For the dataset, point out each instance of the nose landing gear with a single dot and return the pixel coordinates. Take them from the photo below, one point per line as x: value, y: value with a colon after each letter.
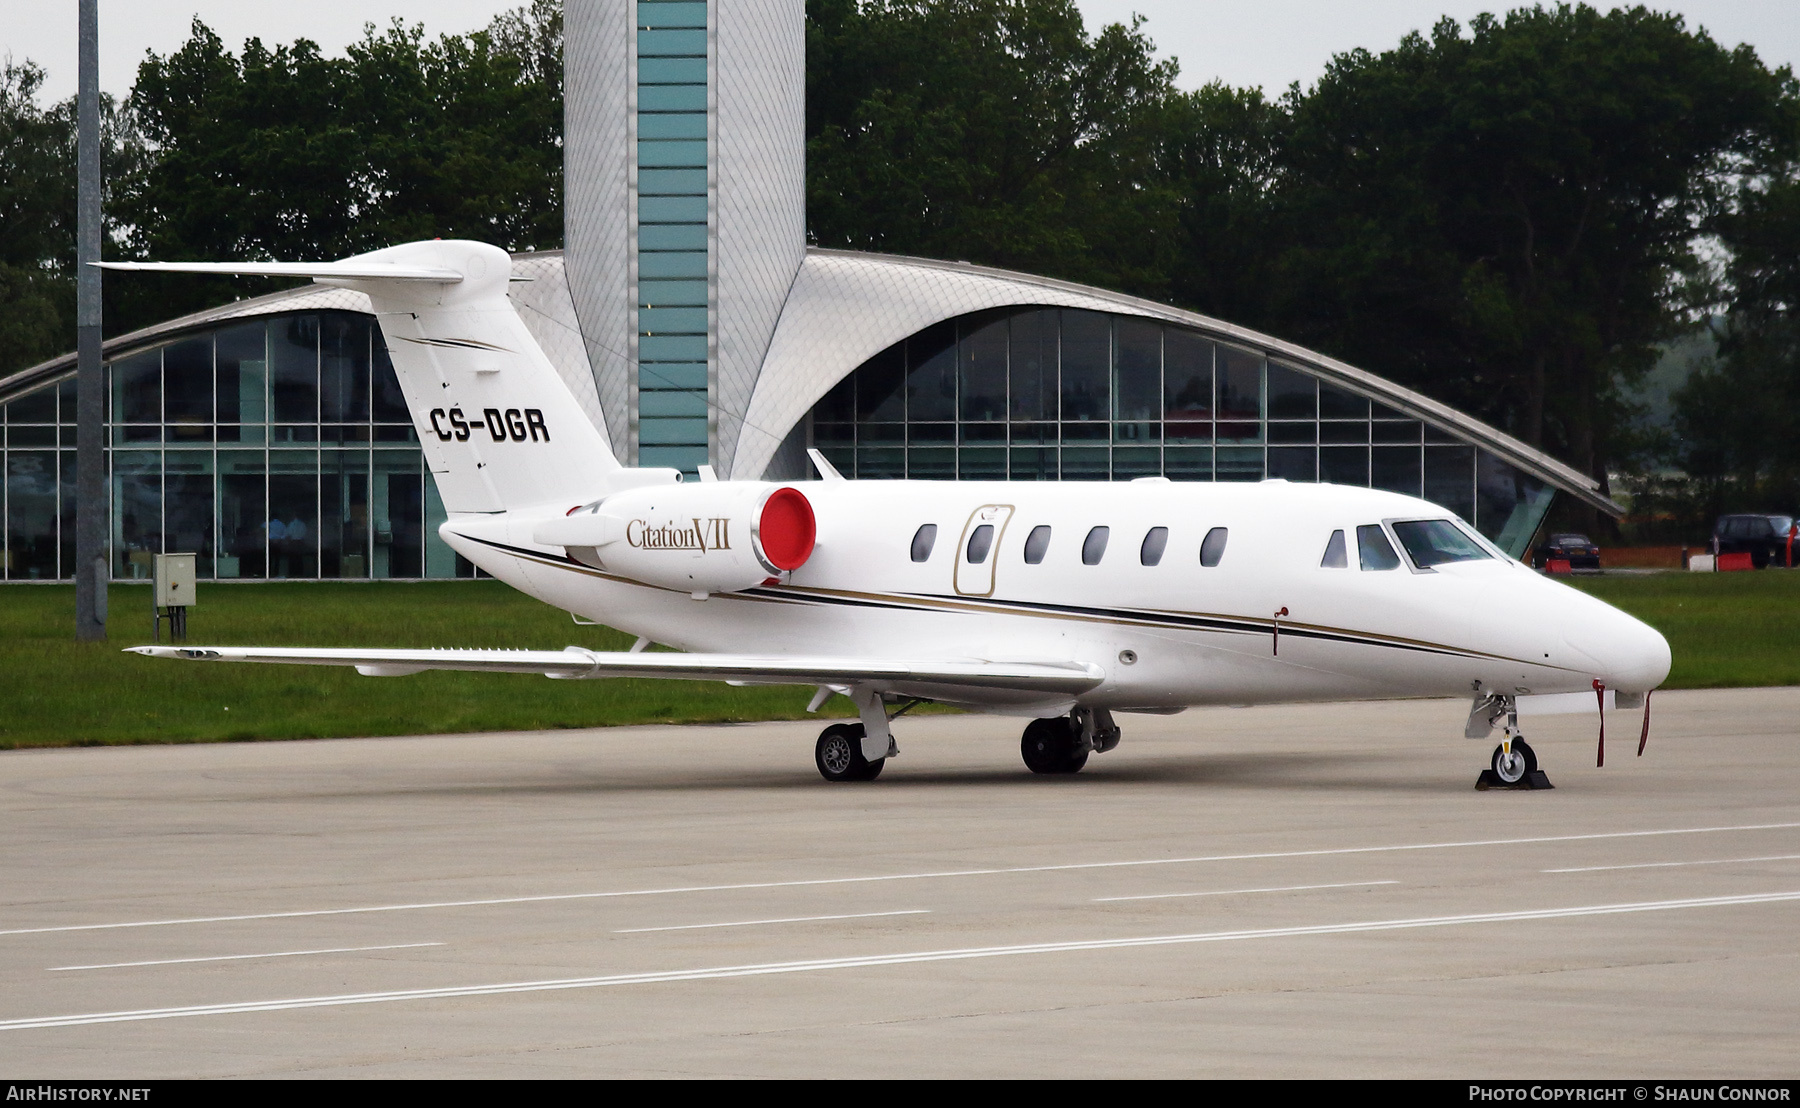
x: 1514, y: 764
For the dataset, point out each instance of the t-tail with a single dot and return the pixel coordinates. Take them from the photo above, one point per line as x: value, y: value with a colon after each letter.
x: 500, y: 429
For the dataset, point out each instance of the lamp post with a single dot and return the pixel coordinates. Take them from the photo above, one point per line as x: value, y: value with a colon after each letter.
x: 91, y: 569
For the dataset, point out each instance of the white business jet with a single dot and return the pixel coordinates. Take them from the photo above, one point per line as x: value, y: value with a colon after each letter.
x: 1061, y: 602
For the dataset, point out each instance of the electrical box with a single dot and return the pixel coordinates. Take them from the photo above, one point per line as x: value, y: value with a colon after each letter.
x: 174, y: 581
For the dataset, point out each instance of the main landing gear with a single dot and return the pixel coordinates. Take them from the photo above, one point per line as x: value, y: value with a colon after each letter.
x: 1514, y: 764
x: 839, y: 754
x: 857, y: 751
x: 1058, y: 745
x: 1062, y: 744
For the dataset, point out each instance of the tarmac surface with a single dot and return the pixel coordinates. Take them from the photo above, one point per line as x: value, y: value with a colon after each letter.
x: 1293, y: 892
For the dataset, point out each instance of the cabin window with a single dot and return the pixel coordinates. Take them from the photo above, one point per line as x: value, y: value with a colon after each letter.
x: 1154, y: 543
x: 1335, y: 558
x: 1373, y: 549
x: 1431, y: 542
x: 1037, y: 543
x: 923, y: 540
x: 1094, y: 547
x: 981, y: 540
x: 1212, y: 548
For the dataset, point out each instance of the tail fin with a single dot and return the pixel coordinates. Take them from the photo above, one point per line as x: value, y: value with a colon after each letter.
x: 500, y: 429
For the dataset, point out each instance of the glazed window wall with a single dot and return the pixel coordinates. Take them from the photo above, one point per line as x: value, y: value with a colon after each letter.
x: 276, y: 448
x: 673, y: 313
x: 1051, y: 393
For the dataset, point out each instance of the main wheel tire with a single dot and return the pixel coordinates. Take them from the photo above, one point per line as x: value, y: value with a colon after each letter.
x: 1050, y: 746
x: 1512, y: 770
x: 839, y: 756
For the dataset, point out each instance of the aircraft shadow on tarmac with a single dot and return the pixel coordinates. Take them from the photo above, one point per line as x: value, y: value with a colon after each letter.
x: 1285, y: 771
x: 1276, y: 770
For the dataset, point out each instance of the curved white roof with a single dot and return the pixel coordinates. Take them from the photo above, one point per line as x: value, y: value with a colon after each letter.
x: 843, y: 308
x: 847, y: 306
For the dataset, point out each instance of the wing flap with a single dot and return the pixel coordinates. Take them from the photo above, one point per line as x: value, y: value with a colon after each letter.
x: 578, y: 663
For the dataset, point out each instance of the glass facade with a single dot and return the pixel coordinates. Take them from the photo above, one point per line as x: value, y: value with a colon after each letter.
x: 279, y: 447
x: 673, y: 311
x: 1054, y: 393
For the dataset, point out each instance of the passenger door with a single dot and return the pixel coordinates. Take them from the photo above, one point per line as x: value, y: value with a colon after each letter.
x: 978, y: 548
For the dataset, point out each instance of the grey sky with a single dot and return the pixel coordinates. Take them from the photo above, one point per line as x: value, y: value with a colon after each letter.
x: 1269, y: 43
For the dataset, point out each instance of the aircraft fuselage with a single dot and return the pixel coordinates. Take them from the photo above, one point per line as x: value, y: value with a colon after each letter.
x: 1267, y: 622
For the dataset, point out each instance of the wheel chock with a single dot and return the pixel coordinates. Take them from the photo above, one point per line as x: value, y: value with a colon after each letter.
x: 1534, y: 779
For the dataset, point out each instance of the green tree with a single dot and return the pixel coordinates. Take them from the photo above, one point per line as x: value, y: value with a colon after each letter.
x: 37, y: 242
x: 1503, y: 218
x: 1739, y: 421
x: 463, y: 136
x: 996, y: 131
x: 37, y: 212
x: 1221, y: 154
x: 285, y: 153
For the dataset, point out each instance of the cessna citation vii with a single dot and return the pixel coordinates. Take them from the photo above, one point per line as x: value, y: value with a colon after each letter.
x: 1064, y: 603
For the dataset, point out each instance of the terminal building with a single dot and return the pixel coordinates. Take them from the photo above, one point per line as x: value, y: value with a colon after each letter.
x: 696, y: 326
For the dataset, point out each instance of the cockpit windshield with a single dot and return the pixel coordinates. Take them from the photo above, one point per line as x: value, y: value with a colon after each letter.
x: 1432, y: 542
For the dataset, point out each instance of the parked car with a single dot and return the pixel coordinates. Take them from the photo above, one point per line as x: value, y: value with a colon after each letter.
x: 1571, y: 548
x: 1763, y: 537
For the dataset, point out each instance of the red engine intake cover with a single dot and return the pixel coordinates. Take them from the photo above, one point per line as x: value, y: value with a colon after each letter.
x: 787, y: 529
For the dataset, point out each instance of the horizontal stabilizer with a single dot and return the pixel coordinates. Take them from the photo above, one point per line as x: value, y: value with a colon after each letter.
x: 576, y: 663
x: 348, y: 270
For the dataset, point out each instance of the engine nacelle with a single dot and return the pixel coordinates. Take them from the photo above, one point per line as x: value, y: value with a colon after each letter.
x: 699, y: 538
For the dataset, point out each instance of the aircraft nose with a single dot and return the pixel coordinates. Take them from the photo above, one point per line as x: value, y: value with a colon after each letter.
x: 1627, y: 653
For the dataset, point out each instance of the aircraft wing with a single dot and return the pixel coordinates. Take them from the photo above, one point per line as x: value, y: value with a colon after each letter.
x: 574, y: 663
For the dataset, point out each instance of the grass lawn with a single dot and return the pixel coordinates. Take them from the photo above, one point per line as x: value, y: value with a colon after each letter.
x: 1728, y: 629
x: 57, y: 692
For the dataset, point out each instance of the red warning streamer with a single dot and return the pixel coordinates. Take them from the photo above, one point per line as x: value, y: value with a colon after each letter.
x: 1600, y: 698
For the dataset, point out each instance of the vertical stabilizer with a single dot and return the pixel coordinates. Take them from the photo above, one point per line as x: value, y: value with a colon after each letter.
x: 500, y: 429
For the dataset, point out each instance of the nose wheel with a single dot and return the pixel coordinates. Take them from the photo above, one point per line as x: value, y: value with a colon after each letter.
x: 1514, y: 764
x: 1511, y: 767
x: 839, y: 755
